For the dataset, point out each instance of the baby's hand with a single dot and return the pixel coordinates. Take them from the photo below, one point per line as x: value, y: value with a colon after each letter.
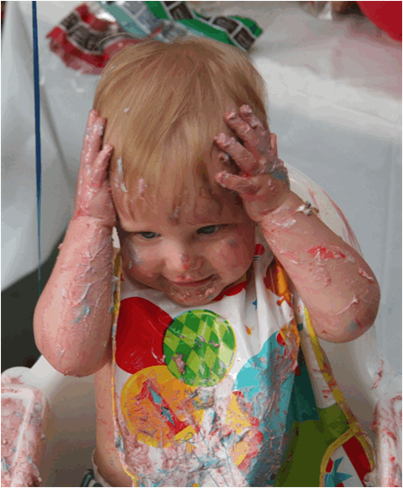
x: 93, y: 193
x: 262, y: 181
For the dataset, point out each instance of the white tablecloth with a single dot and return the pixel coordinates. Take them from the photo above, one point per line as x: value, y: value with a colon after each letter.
x: 335, y: 104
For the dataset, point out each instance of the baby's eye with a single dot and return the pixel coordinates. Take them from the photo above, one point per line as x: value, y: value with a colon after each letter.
x: 148, y: 235
x: 209, y: 229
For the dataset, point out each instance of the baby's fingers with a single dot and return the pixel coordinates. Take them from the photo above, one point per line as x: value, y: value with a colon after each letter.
x: 91, y: 186
x: 90, y: 122
x: 245, y: 161
x: 95, y: 175
x: 92, y: 141
x: 100, y: 167
x: 241, y: 184
x: 250, y: 118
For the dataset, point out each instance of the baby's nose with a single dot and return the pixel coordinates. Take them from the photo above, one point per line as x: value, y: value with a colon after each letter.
x: 180, y: 260
x: 185, y: 260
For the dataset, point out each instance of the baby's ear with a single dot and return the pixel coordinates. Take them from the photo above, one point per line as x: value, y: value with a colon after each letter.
x: 273, y: 144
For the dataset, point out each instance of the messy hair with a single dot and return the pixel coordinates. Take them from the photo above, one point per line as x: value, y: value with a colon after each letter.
x: 165, y: 103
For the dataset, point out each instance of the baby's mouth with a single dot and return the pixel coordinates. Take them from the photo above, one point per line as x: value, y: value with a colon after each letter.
x: 193, y: 284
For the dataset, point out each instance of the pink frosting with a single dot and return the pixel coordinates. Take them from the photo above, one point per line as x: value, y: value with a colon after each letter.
x: 23, y: 410
x: 387, y: 426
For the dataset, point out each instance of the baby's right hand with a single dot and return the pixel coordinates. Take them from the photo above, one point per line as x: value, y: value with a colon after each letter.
x: 93, y: 194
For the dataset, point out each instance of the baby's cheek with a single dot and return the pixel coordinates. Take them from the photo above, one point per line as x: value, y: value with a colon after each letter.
x: 133, y: 256
x: 138, y: 260
x: 234, y: 256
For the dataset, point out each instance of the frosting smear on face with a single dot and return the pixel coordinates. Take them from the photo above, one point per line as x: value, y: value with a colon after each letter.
x: 193, y: 255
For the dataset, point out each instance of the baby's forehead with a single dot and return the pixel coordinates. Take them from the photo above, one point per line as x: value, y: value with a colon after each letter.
x: 198, y: 216
x: 201, y: 211
x: 197, y: 211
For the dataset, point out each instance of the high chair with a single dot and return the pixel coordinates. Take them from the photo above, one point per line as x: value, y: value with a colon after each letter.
x: 52, y: 417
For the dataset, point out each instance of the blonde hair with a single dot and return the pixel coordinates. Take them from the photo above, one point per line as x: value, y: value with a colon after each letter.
x: 164, y: 103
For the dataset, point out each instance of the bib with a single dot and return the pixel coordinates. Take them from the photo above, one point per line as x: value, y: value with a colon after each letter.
x: 237, y: 392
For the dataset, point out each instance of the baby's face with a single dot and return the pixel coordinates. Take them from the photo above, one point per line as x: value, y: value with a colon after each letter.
x: 191, y: 258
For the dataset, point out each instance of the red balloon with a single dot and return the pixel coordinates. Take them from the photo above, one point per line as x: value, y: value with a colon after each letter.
x: 386, y: 15
x: 140, y: 334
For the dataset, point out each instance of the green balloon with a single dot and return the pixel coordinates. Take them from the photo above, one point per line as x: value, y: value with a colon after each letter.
x: 199, y: 348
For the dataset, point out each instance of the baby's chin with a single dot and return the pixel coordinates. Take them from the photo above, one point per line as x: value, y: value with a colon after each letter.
x: 192, y: 301
x: 188, y: 297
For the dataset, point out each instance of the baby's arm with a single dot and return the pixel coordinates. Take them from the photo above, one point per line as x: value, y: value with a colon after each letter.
x: 72, y: 320
x: 336, y: 284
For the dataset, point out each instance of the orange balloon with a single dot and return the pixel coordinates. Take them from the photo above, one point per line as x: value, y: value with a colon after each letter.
x: 160, y: 409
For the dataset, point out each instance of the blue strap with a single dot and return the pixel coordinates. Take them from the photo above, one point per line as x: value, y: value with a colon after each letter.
x: 37, y: 135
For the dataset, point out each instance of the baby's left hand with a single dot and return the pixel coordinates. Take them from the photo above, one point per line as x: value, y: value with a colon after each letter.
x: 262, y: 181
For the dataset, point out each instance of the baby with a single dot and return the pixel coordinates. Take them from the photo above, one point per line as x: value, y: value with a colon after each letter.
x: 199, y: 331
